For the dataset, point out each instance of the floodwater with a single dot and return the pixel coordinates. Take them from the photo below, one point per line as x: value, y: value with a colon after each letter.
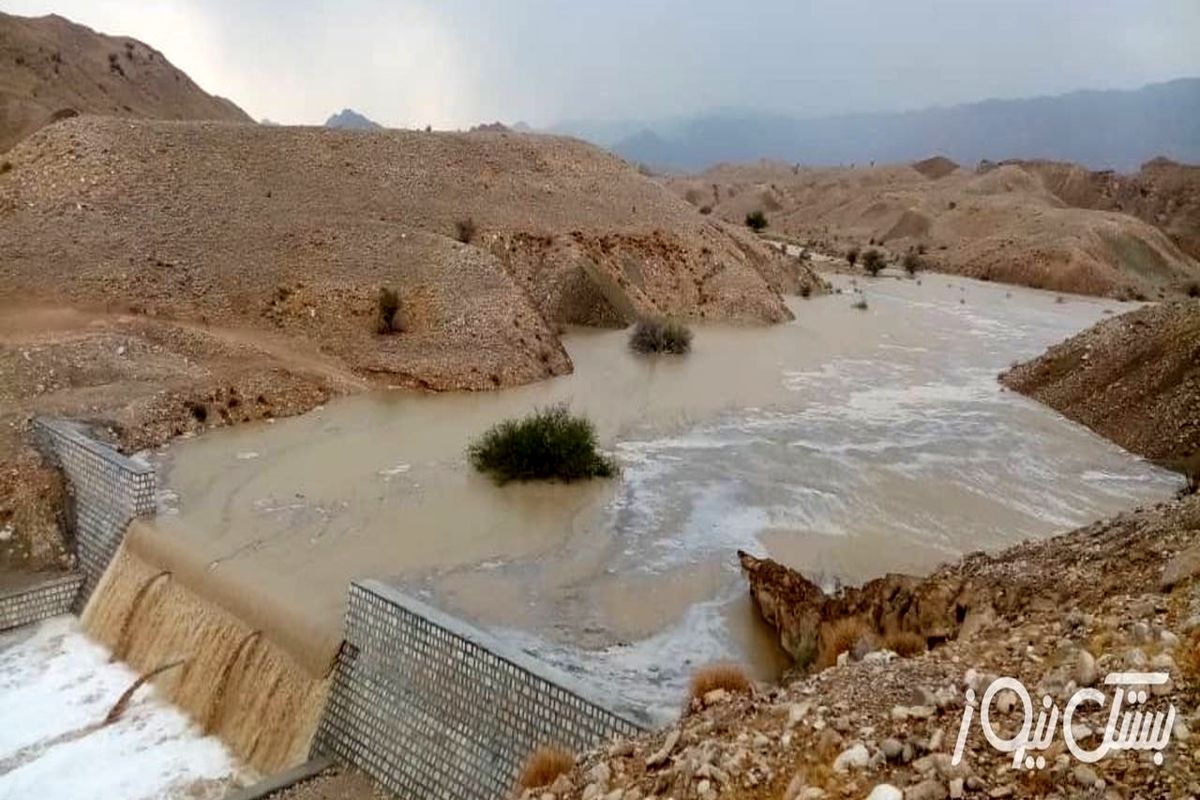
x: 846, y: 444
x: 56, y: 688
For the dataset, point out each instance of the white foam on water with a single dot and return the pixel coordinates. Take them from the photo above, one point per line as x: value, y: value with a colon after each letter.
x: 56, y: 686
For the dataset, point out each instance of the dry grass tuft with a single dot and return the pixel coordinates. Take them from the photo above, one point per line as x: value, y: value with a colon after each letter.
x: 904, y: 643
x: 729, y: 677
x: 544, y: 766
x: 840, y: 636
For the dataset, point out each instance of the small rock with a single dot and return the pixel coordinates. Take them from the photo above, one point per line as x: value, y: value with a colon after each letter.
x: 885, y: 791
x: 956, y: 789
x: 664, y: 752
x: 1140, y: 633
x: 891, y: 749
x: 926, y: 790
x: 600, y: 773
x: 1085, y: 668
x: 1085, y: 776
x: 1183, y: 566
x: 855, y: 757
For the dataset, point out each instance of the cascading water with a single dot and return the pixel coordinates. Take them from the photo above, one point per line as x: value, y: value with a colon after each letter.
x: 234, y: 681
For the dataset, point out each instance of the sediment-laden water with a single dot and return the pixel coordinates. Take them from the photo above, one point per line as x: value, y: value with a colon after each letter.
x: 846, y: 444
x: 227, y: 673
x: 59, y: 742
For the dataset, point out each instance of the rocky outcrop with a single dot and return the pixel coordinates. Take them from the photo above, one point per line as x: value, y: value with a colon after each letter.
x: 1068, y: 611
x: 815, y: 627
x: 1134, y: 379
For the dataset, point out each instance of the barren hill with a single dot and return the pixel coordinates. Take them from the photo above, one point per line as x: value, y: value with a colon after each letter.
x: 1002, y: 222
x: 296, y: 230
x: 51, y: 67
x: 1134, y: 379
x: 1162, y: 193
x: 165, y: 277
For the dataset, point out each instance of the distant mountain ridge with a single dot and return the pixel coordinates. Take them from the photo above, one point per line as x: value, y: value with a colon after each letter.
x: 1115, y: 129
x: 349, y: 119
x: 52, y: 68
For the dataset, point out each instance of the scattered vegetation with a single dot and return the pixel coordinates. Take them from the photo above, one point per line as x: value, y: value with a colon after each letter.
x: 387, y: 308
x: 660, y: 336
x: 912, y: 263
x: 5, y: 167
x: 199, y: 411
x: 805, y: 291
x: 842, y: 636
x: 904, y: 643
x: 706, y: 210
x: 872, y: 261
x: 543, y: 767
x: 1191, y: 483
x: 860, y: 303
x: 729, y: 677
x: 548, y: 444
x: 1193, y: 288
x: 756, y: 220
x: 464, y: 230
x: 852, y: 256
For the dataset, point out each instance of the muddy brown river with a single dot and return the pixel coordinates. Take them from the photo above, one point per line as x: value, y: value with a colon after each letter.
x: 846, y: 444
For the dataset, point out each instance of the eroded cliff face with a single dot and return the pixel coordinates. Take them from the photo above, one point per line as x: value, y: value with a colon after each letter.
x: 898, y: 611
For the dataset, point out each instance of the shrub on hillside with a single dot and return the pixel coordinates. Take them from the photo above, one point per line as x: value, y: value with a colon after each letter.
x: 660, y: 336
x: 5, y: 166
x: 912, y: 263
x: 729, y: 677
x: 872, y: 261
x: 756, y: 220
x: 843, y: 635
x: 387, y: 306
x: 1193, y: 288
x: 860, y: 304
x: 548, y: 444
x: 852, y: 256
x: 543, y: 767
x: 464, y: 230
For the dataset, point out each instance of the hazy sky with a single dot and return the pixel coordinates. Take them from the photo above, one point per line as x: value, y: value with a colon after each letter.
x: 457, y: 62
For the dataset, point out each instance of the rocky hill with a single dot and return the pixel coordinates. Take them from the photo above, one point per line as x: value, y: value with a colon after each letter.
x: 1104, y: 129
x: 1007, y: 222
x: 1134, y: 379
x: 490, y: 239
x: 52, y: 68
x: 1162, y: 193
x: 160, y: 277
x: 350, y: 119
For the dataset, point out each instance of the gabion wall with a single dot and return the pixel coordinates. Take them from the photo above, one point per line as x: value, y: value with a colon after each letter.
x: 40, y: 601
x: 107, y: 491
x: 433, y: 709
